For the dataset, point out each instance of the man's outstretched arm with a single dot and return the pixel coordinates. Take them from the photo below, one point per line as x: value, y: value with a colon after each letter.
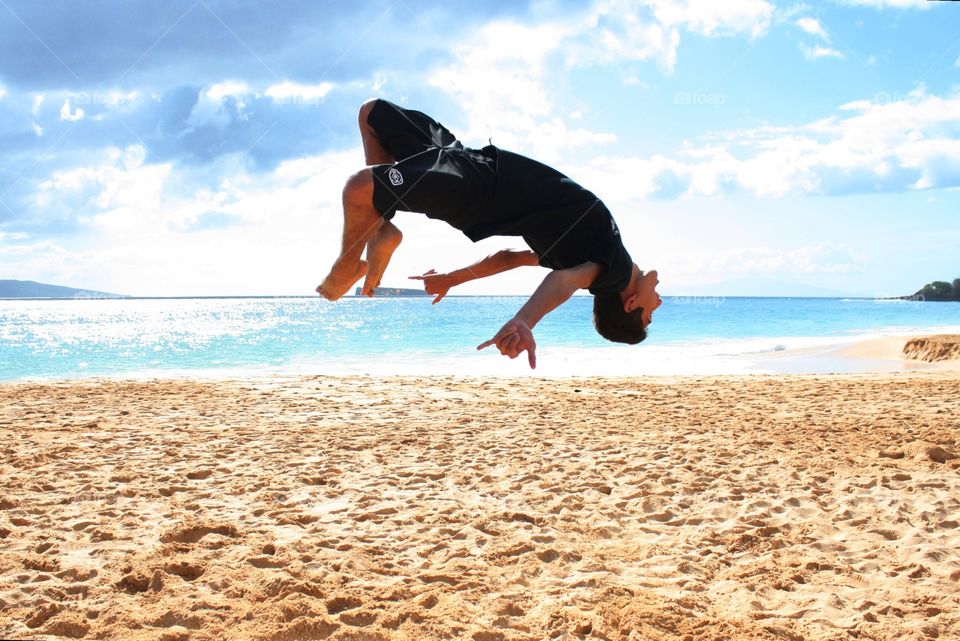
x: 516, y: 335
x: 504, y: 260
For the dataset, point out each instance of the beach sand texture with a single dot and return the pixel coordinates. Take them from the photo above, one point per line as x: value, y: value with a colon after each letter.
x: 772, y: 508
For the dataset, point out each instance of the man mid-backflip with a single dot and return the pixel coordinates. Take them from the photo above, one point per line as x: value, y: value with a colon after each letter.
x: 415, y: 164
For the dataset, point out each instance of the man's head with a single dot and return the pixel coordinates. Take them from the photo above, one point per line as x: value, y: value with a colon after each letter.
x: 624, y: 317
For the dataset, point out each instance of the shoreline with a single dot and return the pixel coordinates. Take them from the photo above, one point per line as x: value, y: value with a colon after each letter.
x: 873, y: 355
x: 214, y: 339
x: 866, y: 355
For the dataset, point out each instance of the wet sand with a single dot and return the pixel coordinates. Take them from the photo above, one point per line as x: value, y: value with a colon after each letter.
x: 689, y: 508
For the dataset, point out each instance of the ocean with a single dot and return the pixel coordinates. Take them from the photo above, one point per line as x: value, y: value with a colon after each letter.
x: 226, y: 337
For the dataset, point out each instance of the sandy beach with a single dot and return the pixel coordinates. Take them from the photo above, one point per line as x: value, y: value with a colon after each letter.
x: 689, y: 508
x: 938, y: 353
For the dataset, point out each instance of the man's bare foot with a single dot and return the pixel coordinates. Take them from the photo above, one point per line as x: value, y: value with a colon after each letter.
x: 380, y: 249
x: 335, y: 285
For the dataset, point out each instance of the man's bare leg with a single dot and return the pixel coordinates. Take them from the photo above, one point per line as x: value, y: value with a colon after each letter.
x: 380, y: 249
x: 363, y: 226
x: 361, y: 222
x: 387, y: 237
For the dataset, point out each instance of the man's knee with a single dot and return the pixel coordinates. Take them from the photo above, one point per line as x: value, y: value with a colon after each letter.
x: 365, y: 110
x: 359, y: 188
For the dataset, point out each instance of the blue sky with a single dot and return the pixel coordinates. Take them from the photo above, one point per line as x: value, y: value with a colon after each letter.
x: 199, y: 147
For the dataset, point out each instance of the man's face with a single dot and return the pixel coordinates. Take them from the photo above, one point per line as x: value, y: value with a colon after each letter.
x: 646, y: 295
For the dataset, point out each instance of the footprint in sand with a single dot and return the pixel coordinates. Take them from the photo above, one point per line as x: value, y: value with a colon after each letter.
x: 46, y: 547
x: 82, y: 525
x: 340, y: 604
x: 510, y: 609
x: 193, y: 532
x: 186, y: 570
x: 173, y: 619
x: 548, y: 556
x: 267, y: 561
x: 68, y: 624
x: 41, y: 563
x: 358, y: 619
x: 306, y: 628
x: 170, y: 490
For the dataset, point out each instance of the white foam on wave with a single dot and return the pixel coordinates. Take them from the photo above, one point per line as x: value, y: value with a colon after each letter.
x: 123, y: 331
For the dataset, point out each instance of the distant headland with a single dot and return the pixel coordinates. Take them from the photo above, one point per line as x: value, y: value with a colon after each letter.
x: 394, y: 291
x: 937, y: 291
x: 31, y: 289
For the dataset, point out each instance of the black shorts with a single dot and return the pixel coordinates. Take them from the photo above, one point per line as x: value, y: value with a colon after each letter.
x: 434, y: 174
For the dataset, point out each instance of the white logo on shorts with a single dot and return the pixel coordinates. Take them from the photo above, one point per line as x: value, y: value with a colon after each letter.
x: 396, y: 178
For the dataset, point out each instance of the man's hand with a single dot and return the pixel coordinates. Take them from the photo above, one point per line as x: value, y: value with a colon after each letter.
x: 436, y: 284
x: 504, y: 260
x: 512, y: 339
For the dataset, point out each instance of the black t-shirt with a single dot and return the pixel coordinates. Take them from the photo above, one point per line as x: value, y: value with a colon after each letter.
x: 565, y: 224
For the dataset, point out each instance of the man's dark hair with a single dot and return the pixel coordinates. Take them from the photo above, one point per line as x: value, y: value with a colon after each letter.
x: 616, y: 325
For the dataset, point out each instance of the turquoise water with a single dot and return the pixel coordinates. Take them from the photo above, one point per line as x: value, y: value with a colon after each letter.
x: 214, y: 337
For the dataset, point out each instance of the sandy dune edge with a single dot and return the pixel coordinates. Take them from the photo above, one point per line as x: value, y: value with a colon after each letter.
x: 417, y: 508
x: 933, y: 348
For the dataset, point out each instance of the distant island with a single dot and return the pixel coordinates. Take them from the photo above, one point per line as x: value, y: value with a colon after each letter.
x: 938, y: 291
x: 31, y: 289
x: 394, y: 291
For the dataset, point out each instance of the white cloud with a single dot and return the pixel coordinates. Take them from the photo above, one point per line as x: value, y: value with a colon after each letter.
x: 160, y: 230
x: 616, y: 31
x: 872, y: 146
x: 293, y: 92
x: 66, y: 114
x: 633, y: 81
x: 3, y: 91
x: 222, y: 102
x: 500, y: 81
x: 221, y: 90
x: 621, y: 30
x: 818, y: 51
x: 33, y: 260
x: 211, y: 107
x: 730, y: 17
x: 7, y: 236
x: 503, y: 78
x: 113, y: 98
x: 823, y: 258
x: 35, y: 112
x: 884, y: 4
x: 620, y: 178
x: 813, y: 27
x: 937, y: 161
x: 113, y: 194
